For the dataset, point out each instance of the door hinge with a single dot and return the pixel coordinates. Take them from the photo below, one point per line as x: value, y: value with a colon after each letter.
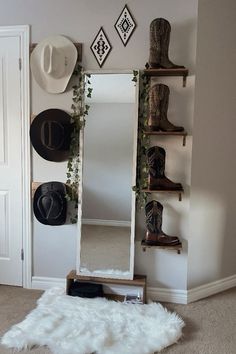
x: 20, y: 63
x: 22, y: 254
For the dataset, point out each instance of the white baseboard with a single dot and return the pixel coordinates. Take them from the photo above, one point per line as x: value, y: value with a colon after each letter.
x: 155, y: 294
x: 44, y: 283
x: 191, y: 295
x: 212, y: 288
x: 167, y: 295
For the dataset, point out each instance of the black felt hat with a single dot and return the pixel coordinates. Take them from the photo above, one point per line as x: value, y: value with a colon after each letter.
x: 50, y: 134
x: 50, y: 206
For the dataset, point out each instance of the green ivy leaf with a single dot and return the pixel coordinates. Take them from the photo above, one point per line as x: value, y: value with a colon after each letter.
x: 79, y: 110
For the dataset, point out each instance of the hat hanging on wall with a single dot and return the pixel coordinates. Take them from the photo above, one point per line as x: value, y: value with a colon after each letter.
x: 52, y: 63
x: 50, y: 206
x: 50, y: 134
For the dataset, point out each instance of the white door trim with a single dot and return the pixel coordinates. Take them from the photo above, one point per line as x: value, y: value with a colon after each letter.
x: 22, y: 32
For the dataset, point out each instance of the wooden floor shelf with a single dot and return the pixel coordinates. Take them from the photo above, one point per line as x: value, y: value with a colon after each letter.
x: 168, y: 72
x: 176, y: 248
x: 183, y: 134
x: 179, y: 192
x: 137, y: 281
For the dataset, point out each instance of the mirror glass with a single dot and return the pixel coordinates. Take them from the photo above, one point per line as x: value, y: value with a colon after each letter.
x: 108, y: 174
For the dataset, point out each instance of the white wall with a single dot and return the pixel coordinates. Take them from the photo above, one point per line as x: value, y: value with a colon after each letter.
x: 80, y: 20
x: 212, y: 243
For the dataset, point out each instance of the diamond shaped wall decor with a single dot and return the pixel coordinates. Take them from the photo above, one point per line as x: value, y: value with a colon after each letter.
x: 125, y: 25
x: 101, y: 47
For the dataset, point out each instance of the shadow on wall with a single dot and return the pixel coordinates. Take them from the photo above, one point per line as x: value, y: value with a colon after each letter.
x: 228, y: 254
x: 164, y: 268
x: 182, y: 43
x: 212, y: 242
x: 180, y: 111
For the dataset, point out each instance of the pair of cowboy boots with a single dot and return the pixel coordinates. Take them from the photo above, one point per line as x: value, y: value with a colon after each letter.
x: 159, y: 45
x: 154, y: 234
x: 158, y: 107
x: 157, y: 179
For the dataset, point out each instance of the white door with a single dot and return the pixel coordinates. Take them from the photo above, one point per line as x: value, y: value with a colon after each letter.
x: 10, y: 162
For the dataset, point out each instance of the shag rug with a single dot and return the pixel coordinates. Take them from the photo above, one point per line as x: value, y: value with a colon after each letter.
x: 73, y: 325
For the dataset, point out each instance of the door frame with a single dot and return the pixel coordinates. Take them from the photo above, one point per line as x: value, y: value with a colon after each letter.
x: 23, y: 33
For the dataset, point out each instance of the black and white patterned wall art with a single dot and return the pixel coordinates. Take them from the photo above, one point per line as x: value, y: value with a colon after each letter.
x: 125, y: 25
x: 101, y: 47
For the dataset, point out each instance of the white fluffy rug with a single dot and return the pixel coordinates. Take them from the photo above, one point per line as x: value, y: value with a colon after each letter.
x: 73, y: 325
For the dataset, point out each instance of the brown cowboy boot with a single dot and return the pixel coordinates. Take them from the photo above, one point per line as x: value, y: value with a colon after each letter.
x: 154, y: 234
x: 165, y: 124
x: 159, y: 45
x: 156, y: 176
x: 154, y: 109
x: 158, y: 107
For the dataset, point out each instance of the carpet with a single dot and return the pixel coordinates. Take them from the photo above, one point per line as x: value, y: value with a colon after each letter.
x: 73, y: 325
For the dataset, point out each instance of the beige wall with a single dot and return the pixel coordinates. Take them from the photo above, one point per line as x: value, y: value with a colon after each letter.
x: 80, y: 20
x: 212, y: 242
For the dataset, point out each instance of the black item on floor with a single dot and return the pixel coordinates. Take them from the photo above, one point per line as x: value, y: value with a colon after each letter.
x: 83, y: 289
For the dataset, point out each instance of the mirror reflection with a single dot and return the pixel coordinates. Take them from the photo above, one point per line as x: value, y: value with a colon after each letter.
x: 107, y: 231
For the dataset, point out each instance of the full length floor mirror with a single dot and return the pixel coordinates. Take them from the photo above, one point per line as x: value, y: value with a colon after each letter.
x: 107, y: 202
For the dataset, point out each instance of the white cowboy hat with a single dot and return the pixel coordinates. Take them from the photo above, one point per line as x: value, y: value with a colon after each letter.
x: 52, y: 63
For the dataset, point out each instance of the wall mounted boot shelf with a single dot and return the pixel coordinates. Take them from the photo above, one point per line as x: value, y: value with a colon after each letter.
x: 179, y: 192
x: 168, y: 72
x: 176, y: 248
x: 183, y: 134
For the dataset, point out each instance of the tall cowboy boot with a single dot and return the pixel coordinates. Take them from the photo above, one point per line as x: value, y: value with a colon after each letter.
x: 156, y: 177
x: 154, y: 109
x: 158, y: 107
x: 159, y: 45
x: 165, y: 124
x: 154, y: 234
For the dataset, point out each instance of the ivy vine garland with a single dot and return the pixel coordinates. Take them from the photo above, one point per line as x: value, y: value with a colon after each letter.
x: 143, y: 141
x: 79, y: 112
